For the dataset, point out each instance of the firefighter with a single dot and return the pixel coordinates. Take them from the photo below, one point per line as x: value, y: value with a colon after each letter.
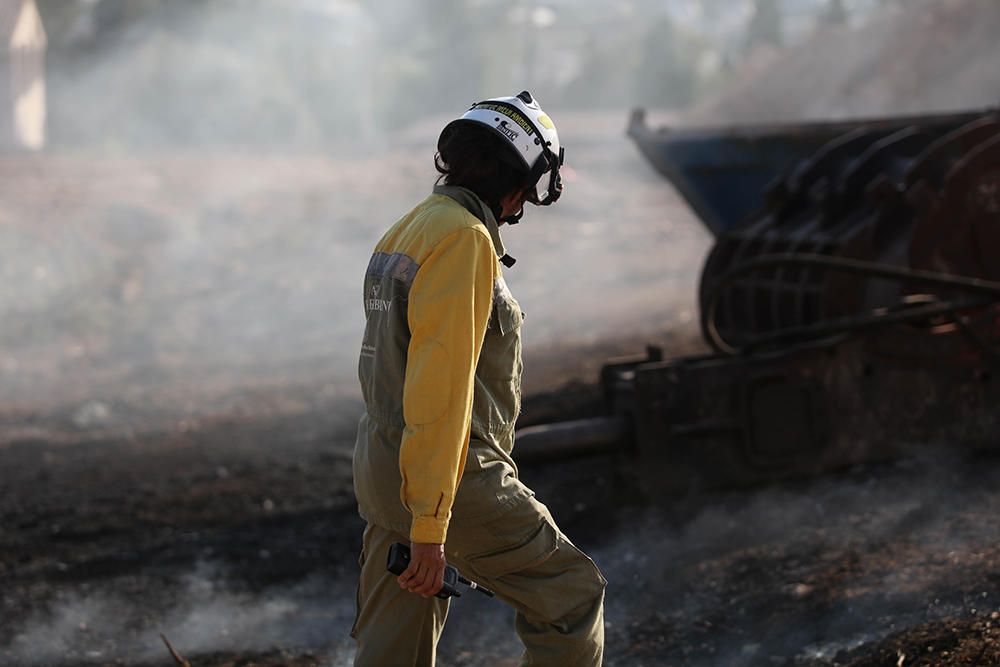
x: 440, y: 371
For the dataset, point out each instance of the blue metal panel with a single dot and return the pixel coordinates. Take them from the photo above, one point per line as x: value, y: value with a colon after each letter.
x: 723, y: 173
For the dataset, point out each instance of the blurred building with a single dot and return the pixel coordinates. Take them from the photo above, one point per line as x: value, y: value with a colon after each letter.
x: 22, y: 75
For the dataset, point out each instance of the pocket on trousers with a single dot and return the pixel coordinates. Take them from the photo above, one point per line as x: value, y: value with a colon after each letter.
x: 536, y: 549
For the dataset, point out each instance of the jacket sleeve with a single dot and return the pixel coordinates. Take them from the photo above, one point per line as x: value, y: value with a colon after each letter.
x: 449, y: 307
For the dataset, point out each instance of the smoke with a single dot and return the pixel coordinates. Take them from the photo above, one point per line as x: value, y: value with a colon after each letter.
x: 904, y: 60
x: 202, y: 74
x: 198, y: 278
x: 198, y: 614
x: 221, y: 171
x: 793, y: 574
x: 806, y: 571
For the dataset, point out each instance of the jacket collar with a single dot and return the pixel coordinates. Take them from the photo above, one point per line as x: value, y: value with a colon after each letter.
x: 477, y: 207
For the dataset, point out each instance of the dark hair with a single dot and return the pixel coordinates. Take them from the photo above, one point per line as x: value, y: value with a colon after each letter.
x: 474, y: 157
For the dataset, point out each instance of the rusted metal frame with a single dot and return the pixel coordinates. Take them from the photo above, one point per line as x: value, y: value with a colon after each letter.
x: 872, y: 319
x: 877, y: 318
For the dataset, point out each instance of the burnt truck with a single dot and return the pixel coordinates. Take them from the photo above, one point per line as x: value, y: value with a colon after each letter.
x: 851, y: 302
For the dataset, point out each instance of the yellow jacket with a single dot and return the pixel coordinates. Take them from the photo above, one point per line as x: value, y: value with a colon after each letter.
x: 440, y: 371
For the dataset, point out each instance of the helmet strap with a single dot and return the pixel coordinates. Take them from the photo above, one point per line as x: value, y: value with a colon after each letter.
x: 514, y: 218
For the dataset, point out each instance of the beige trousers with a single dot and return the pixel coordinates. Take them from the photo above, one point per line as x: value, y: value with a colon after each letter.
x: 555, y: 589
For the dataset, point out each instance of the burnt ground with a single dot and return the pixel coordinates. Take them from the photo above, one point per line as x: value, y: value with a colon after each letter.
x: 237, y: 541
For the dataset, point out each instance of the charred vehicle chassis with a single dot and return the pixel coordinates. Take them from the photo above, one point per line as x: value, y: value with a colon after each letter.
x: 852, y: 304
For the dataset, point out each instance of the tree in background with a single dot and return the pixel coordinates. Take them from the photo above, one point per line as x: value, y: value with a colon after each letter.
x: 765, y: 26
x: 666, y: 75
x: 59, y: 18
x: 76, y: 24
x: 603, y: 79
x: 835, y: 14
x: 454, y: 51
x: 435, y: 59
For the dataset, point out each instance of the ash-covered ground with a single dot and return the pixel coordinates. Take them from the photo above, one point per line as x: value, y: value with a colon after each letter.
x: 244, y: 554
x: 178, y: 403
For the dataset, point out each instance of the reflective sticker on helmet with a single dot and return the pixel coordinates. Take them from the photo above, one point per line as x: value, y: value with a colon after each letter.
x: 546, y: 122
x: 508, y: 131
x: 510, y: 113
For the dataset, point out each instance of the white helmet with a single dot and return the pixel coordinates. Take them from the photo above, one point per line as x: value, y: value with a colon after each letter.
x: 531, y: 134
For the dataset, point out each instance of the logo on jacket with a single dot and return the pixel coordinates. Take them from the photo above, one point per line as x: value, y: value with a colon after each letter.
x: 381, y: 305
